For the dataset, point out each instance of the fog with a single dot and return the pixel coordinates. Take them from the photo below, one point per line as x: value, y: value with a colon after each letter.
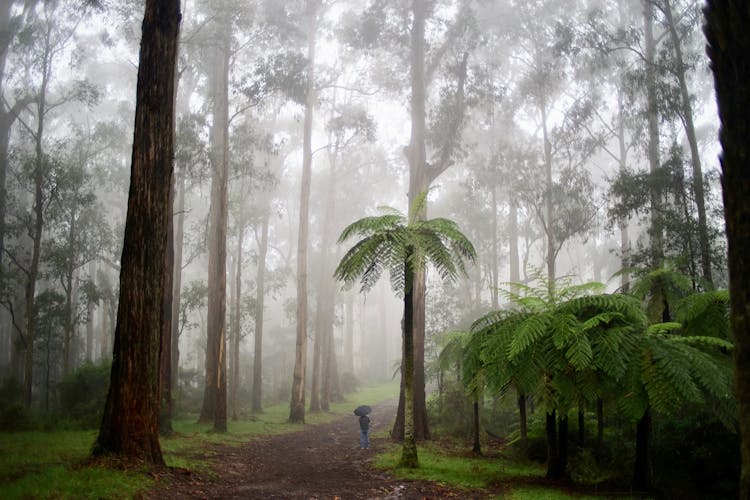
x: 563, y: 143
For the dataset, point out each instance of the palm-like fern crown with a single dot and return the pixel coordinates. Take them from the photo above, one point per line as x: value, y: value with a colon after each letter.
x: 391, y: 242
x: 684, y: 360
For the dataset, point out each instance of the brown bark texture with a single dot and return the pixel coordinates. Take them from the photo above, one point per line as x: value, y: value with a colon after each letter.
x: 130, y: 423
x: 729, y: 50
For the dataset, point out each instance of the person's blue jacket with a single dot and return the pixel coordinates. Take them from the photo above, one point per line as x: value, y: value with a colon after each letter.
x: 364, y: 422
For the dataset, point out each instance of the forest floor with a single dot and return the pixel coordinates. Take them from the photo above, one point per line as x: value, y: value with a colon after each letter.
x: 321, y: 462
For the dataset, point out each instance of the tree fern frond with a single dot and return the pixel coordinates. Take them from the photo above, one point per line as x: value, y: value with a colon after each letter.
x: 579, y: 353
x: 663, y: 328
x: 705, y: 313
x: 368, y: 226
x: 530, y: 331
x: 704, y: 341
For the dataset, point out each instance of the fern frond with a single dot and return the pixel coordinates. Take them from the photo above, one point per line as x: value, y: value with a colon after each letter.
x: 368, y: 226
x: 579, y: 353
x: 705, y: 313
x: 704, y: 341
x: 663, y: 328
x: 530, y: 331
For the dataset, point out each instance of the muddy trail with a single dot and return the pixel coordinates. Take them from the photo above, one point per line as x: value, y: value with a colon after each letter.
x: 319, y: 462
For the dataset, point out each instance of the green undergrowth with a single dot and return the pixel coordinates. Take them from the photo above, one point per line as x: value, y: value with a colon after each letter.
x: 49, y: 465
x: 498, y: 475
x: 53, y: 464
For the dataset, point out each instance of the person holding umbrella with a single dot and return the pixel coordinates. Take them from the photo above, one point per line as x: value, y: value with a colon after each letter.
x: 364, y: 426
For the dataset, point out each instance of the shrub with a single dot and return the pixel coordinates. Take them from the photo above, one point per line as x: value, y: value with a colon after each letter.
x: 83, y: 394
x: 13, y: 414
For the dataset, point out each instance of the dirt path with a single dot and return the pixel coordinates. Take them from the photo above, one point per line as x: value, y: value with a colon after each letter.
x: 320, y: 462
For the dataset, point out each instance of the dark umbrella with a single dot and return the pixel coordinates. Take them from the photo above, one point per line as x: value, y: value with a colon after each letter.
x: 363, y: 410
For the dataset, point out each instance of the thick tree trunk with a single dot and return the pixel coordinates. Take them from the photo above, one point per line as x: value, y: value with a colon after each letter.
x: 418, y: 183
x: 297, y: 404
x: 165, y: 356
x: 729, y: 51
x: 257, y: 397
x: 130, y: 423
x: 215, y: 394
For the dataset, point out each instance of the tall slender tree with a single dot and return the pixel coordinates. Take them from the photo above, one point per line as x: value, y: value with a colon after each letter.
x: 297, y: 403
x: 215, y: 393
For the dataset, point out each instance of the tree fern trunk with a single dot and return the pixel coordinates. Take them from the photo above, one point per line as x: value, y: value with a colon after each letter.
x: 552, y: 457
x: 599, y: 423
x: 642, y: 468
x: 523, y: 421
x: 409, y: 456
x: 477, y: 446
x: 562, y: 448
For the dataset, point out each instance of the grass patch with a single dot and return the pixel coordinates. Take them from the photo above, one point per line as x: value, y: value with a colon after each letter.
x: 452, y: 465
x: 448, y: 466
x: 44, y: 465
x: 47, y: 464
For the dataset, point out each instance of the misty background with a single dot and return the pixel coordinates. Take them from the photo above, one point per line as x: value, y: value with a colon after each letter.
x: 540, y: 115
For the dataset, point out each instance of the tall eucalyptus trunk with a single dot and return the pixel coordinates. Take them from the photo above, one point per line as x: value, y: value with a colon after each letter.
x: 656, y: 228
x: 297, y: 403
x: 236, y: 314
x: 178, y: 224
x: 548, y: 202
x: 257, y: 396
x: 90, y: 309
x: 130, y: 423
x: 215, y: 393
x: 418, y: 182
x: 687, y: 120
x: 38, y: 177
x: 494, y: 258
x: 349, y: 334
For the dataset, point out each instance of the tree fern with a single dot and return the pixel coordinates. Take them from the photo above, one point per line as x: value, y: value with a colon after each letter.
x: 704, y: 313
